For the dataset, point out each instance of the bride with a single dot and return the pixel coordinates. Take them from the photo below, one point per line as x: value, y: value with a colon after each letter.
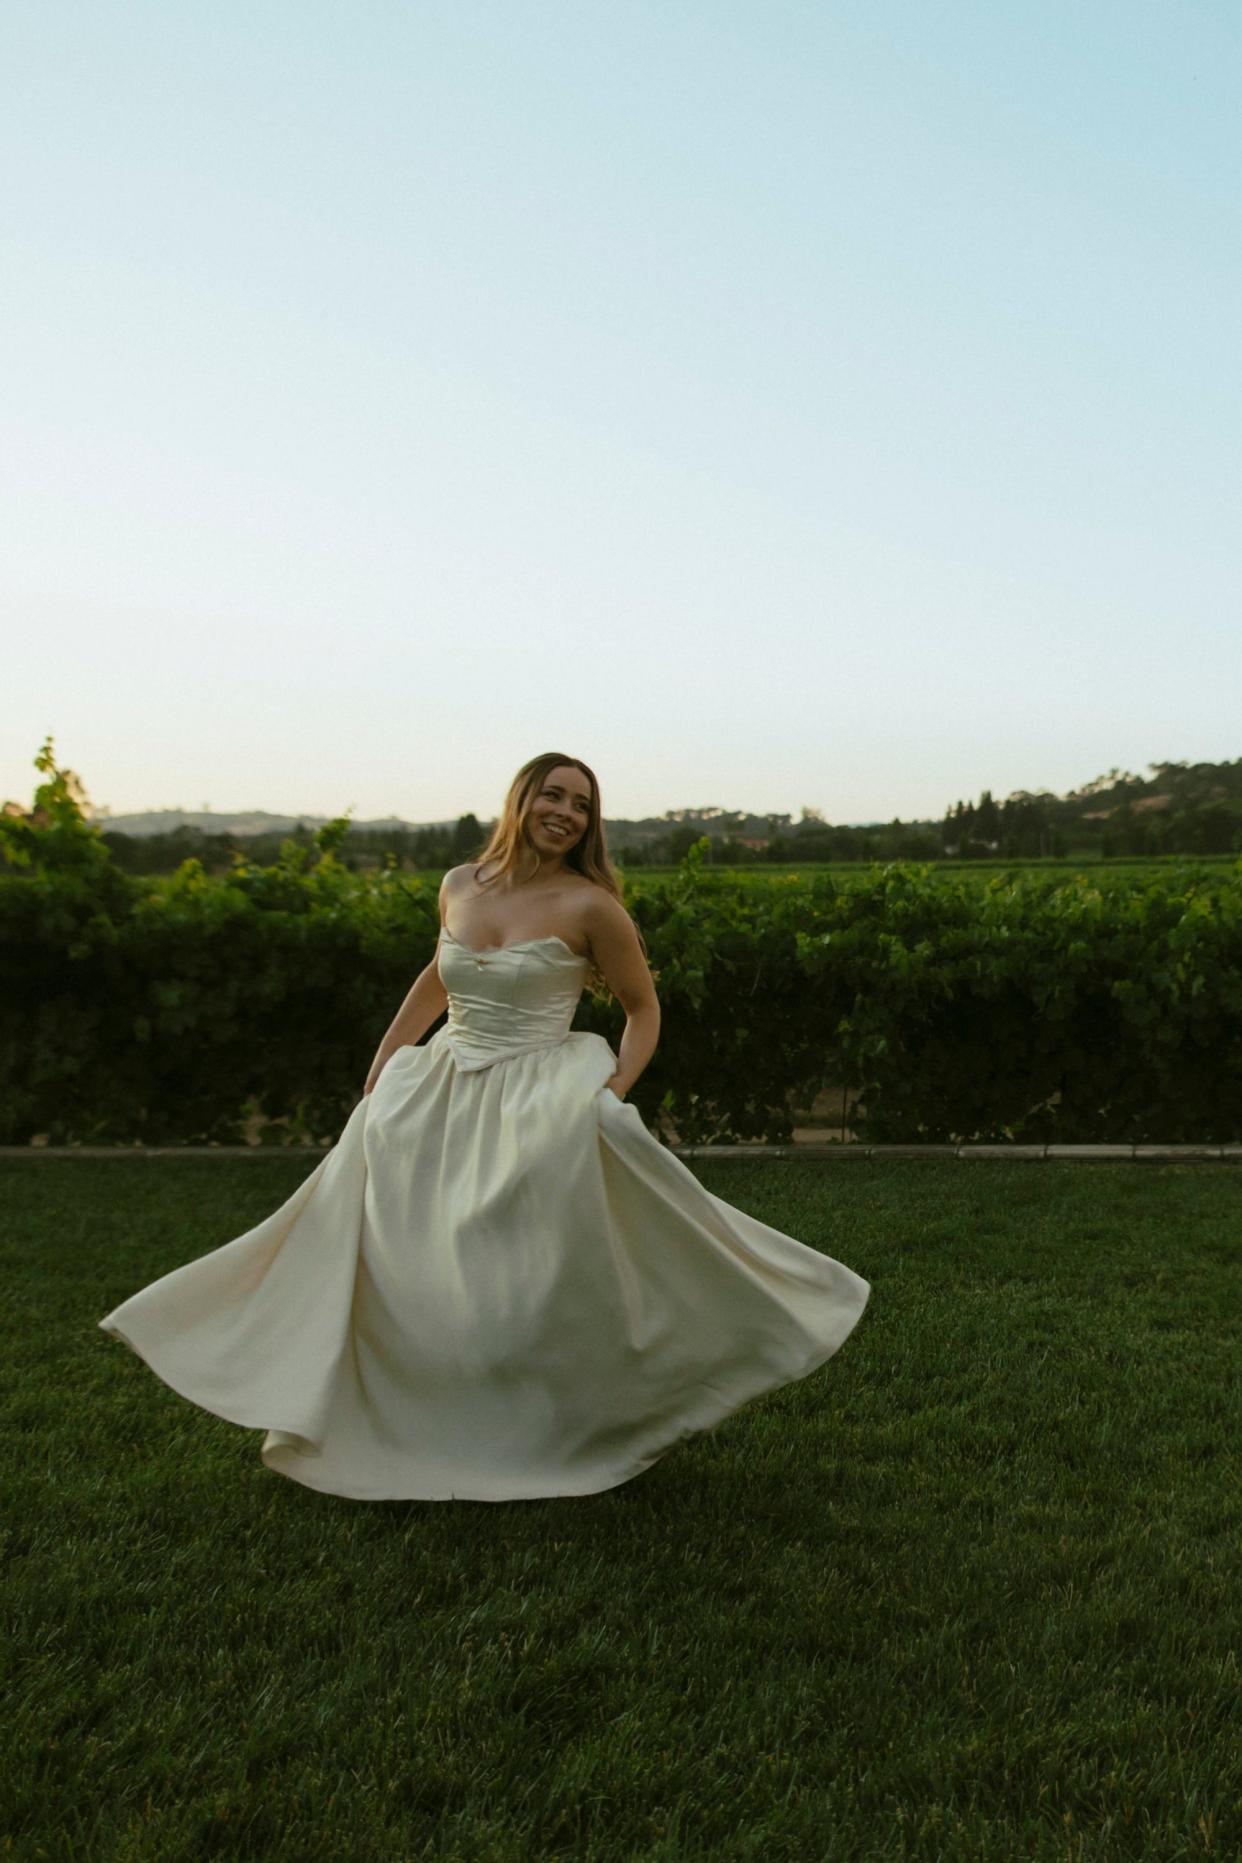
x: 498, y: 1285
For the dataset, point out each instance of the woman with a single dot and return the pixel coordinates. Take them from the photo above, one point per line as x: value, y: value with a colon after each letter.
x: 498, y: 1285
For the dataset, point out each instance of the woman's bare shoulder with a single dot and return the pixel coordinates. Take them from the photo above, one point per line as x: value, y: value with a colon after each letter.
x: 600, y: 910
x: 460, y: 879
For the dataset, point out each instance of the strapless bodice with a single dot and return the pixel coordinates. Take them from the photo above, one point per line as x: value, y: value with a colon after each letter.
x: 509, y: 999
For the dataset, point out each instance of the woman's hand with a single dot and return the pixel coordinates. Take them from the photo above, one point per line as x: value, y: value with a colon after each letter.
x: 617, y: 1084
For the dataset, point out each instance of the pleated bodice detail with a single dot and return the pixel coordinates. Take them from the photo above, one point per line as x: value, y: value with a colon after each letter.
x: 509, y: 999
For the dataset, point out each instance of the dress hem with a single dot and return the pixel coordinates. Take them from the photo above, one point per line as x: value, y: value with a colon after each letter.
x: 710, y: 1417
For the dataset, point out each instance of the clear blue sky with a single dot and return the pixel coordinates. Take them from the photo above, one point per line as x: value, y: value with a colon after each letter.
x: 775, y: 404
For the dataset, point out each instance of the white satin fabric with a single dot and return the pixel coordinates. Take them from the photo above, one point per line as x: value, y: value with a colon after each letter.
x: 497, y: 1285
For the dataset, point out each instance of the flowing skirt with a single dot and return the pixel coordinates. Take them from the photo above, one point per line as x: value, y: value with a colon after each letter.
x: 498, y: 1285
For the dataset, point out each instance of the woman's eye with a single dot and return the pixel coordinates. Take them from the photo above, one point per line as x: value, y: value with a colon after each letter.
x: 580, y: 808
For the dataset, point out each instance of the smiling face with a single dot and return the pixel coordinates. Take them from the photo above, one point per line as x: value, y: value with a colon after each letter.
x: 560, y: 811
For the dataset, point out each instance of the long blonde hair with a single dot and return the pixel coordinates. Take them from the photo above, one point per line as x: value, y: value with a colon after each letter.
x: 513, y: 853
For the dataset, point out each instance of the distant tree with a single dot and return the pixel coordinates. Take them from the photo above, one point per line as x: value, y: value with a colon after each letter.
x: 466, y: 841
x: 1211, y: 830
x: 679, y: 841
x: 987, y: 819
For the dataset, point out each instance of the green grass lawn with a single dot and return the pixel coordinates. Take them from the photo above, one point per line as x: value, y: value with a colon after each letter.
x: 968, y: 1592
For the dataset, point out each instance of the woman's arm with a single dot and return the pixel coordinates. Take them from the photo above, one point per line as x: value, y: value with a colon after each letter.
x: 426, y: 1000
x: 617, y: 952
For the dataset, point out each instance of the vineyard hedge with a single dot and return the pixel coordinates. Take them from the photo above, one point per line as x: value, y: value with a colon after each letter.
x: 198, y: 1010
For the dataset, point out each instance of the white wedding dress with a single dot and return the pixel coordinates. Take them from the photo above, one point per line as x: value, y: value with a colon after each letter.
x: 497, y: 1285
